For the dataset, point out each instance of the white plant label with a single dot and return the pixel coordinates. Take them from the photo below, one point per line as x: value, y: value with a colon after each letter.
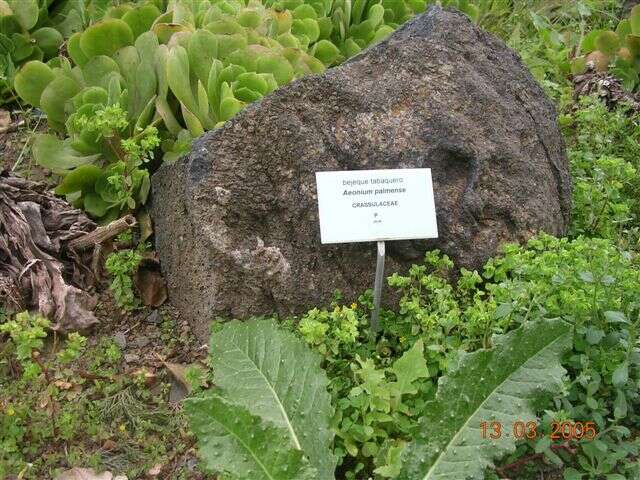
x: 376, y: 205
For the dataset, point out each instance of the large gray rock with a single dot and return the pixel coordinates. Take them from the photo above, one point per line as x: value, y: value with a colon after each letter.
x: 237, y: 220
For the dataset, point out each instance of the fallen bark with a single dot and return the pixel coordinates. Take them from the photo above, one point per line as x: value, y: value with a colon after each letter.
x: 102, y: 234
x: 38, y: 269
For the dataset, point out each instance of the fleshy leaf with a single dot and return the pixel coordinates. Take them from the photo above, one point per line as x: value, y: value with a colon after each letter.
x: 234, y: 441
x: 494, y: 385
x: 55, y: 95
x: 26, y: 12
x: 49, y: 40
x: 105, y: 37
x: 57, y: 155
x: 273, y: 374
x: 31, y: 81
x: 80, y: 179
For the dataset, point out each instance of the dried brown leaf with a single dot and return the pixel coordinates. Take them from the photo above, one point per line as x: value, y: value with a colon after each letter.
x: 150, y: 283
x: 178, y: 372
x: 5, y: 120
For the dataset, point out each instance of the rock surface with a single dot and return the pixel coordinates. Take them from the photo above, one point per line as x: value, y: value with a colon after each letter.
x: 237, y: 220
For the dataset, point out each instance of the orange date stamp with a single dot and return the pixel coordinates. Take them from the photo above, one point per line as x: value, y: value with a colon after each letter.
x: 529, y: 430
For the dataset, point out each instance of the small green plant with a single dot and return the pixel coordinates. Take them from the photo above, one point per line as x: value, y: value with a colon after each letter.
x: 80, y: 397
x: 604, y: 152
x: 123, y: 183
x: 122, y: 265
x: 375, y: 419
x: 27, y: 333
x: 268, y: 434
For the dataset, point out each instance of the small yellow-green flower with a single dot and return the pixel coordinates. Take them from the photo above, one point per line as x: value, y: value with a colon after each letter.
x: 354, y: 306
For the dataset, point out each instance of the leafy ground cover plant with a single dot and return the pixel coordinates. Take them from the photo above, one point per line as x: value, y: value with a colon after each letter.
x: 594, y: 286
x: 238, y: 432
x: 589, y: 283
x: 122, y: 265
x: 75, y: 402
x: 34, y: 30
x: 603, y: 150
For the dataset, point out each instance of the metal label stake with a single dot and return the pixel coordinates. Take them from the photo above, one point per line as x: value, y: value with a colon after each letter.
x: 377, y: 289
x: 350, y: 210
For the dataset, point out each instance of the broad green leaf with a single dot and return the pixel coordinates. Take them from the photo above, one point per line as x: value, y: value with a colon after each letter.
x: 278, y: 66
x: 31, y: 81
x: 82, y: 179
x: 616, y: 317
x: 234, y: 441
x: 496, y: 385
x: 326, y: 52
x: 202, y: 50
x: 143, y: 89
x: 57, y: 155
x: 26, y: 11
x: 146, y: 115
x: 105, y: 37
x: 178, y: 77
x: 49, y: 40
x: 169, y: 119
x: 229, y: 106
x: 141, y: 18
x: 55, y: 96
x: 621, y: 375
x: 193, y: 124
x: 410, y: 367
x: 97, y: 70
x: 273, y: 374
x: 75, y: 52
x: 95, y: 205
x: 165, y: 31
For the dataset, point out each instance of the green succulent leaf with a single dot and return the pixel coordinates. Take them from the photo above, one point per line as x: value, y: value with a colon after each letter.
x: 75, y: 52
x: 49, y: 40
x: 80, y: 179
x: 494, y: 385
x: 141, y: 18
x: 178, y: 77
x: 235, y: 441
x: 95, y: 205
x: 229, y: 106
x: 326, y: 52
x: 54, y: 97
x: 608, y: 43
x: 31, y: 81
x: 274, y: 375
x: 58, y: 155
x: 106, y: 37
x: 97, y: 70
x: 26, y: 12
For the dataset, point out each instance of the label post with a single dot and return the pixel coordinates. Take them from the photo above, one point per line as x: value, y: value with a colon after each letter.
x: 377, y: 289
x: 376, y: 206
